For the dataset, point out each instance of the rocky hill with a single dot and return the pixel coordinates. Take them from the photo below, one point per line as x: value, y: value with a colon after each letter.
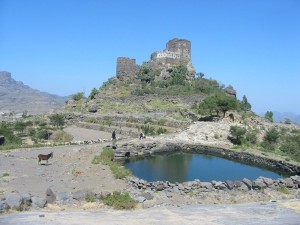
x: 17, y: 97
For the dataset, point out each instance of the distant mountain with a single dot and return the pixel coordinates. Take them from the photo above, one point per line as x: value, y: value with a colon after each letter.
x: 17, y: 97
x: 282, y: 116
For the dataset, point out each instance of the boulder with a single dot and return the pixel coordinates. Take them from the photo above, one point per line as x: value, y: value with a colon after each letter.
x: 140, y: 199
x: 230, y: 90
x: 289, y: 183
x: 259, y: 184
x: 26, y: 198
x: 63, y: 197
x: 13, y: 200
x: 147, y: 196
x: 3, y: 206
x: 93, y: 108
x: 160, y: 187
x: 50, y: 196
x: 80, y: 195
x: 238, y: 184
x: 39, y: 202
x: 268, y: 181
x: 229, y: 184
x: 296, y: 180
x: 206, y: 185
x: 105, y: 194
x: 248, y: 183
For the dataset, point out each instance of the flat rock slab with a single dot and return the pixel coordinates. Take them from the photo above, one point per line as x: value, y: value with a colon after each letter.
x: 271, y: 213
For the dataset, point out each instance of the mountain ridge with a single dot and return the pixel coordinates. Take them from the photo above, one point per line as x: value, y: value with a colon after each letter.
x: 17, y: 97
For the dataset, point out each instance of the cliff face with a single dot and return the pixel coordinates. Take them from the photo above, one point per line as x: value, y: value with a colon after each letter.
x: 17, y: 97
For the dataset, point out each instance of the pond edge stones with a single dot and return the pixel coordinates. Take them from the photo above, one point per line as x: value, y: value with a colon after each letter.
x: 147, y: 148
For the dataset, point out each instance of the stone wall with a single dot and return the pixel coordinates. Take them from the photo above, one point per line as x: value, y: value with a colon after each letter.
x: 155, y: 147
x: 177, y: 52
x: 126, y: 68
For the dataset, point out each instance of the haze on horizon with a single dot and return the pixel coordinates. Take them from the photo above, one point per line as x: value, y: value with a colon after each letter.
x: 65, y: 47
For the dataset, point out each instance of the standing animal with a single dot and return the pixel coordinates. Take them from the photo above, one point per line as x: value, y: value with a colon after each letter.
x: 113, y: 135
x: 45, y: 157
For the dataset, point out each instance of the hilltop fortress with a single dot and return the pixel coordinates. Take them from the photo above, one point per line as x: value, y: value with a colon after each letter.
x: 177, y: 52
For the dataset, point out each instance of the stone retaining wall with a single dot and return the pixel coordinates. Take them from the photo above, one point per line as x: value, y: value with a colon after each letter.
x: 144, y: 149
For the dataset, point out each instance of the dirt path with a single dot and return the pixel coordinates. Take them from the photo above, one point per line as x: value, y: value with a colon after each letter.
x: 68, y: 171
x: 245, y: 214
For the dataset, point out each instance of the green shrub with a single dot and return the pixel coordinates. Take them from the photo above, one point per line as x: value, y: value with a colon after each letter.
x: 10, y: 138
x: 107, y: 154
x: 5, y: 174
x: 78, y: 96
x: 291, y: 146
x: 284, y: 190
x: 251, y: 137
x: 161, y: 130
x: 271, y: 136
x: 147, y: 130
x: 96, y: 159
x: 57, y: 120
x: 90, y: 198
x: 42, y: 134
x: 269, y: 116
x: 120, y: 201
x: 93, y: 93
x: 118, y: 170
x: 107, y: 158
x: 20, y: 126
x: 238, y: 133
x: 31, y: 132
x: 162, y: 122
x: 62, y: 136
x: 148, y: 120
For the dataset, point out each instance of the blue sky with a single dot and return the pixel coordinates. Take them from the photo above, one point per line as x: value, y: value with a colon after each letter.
x: 69, y: 46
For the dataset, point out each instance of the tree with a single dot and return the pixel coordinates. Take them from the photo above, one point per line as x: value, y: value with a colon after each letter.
x: 199, y: 75
x: 245, y: 105
x: 218, y: 103
x: 271, y: 136
x: 178, y: 75
x: 269, y: 116
x: 226, y: 103
x: 270, y: 139
x: 238, y: 133
x: 57, y: 120
x: 20, y: 126
x: 8, y: 133
x: 93, y: 93
x: 209, y: 105
x: 78, y: 96
x: 146, y: 75
x: 42, y: 134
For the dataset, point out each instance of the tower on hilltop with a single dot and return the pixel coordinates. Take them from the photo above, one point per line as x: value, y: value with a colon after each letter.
x: 177, y: 52
x: 126, y: 68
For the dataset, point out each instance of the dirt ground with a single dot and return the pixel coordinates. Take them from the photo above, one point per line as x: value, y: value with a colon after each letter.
x: 71, y: 170
x: 68, y: 171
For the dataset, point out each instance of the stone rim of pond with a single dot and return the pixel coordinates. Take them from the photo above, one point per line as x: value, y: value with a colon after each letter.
x: 144, y: 149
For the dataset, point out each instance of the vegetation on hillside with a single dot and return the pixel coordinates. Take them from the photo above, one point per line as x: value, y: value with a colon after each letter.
x: 107, y: 158
x: 37, y: 129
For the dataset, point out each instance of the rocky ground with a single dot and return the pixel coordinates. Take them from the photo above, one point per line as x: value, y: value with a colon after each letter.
x: 69, y: 175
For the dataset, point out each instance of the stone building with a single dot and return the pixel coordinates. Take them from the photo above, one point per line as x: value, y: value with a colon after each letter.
x: 126, y: 68
x: 177, y: 52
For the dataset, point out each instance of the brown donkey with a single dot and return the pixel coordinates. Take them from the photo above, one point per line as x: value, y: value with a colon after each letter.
x: 45, y: 157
